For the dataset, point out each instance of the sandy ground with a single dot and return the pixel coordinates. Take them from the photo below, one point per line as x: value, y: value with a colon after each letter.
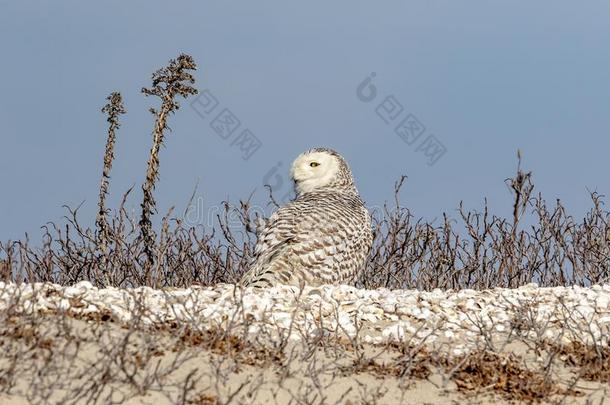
x: 48, y: 358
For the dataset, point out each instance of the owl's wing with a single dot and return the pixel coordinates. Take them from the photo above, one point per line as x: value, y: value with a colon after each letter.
x: 274, y: 239
x: 297, y: 236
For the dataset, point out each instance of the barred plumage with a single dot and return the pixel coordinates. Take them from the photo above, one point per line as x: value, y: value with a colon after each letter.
x: 323, y: 236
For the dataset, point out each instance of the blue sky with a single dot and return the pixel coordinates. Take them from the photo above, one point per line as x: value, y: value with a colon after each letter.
x: 484, y: 78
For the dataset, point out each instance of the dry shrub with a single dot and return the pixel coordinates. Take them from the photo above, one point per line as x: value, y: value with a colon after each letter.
x: 593, y: 361
x: 28, y: 333
x: 418, y: 368
x: 484, y: 251
x: 504, y: 374
x: 204, y: 399
x: 230, y: 346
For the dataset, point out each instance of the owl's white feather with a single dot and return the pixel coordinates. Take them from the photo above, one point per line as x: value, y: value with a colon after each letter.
x: 323, y: 236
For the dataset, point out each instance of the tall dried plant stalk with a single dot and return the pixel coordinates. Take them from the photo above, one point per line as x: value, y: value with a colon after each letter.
x: 167, y: 83
x: 114, y: 109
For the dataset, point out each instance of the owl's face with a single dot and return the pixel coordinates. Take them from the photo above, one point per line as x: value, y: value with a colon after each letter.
x: 313, y: 170
x: 322, y: 168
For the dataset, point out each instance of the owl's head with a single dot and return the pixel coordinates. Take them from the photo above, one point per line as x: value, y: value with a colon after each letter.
x: 321, y: 168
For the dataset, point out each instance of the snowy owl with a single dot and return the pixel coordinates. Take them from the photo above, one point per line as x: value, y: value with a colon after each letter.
x: 321, y: 237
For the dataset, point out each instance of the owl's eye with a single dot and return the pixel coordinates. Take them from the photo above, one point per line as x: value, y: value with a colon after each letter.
x: 314, y: 164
